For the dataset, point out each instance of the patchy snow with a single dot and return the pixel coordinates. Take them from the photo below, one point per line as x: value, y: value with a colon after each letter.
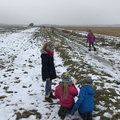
x: 107, y: 114
x: 21, y: 85
x: 21, y: 82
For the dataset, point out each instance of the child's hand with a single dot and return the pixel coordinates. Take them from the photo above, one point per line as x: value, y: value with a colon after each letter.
x: 72, y: 113
x: 71, y: 83
x: 47, y: 79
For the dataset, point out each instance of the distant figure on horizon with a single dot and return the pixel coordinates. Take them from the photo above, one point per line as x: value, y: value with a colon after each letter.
x: 91, y: 40
x: 52, y: 30
x: 65, y: 92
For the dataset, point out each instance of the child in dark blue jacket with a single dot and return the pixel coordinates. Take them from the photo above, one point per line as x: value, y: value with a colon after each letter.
x: 85, y: 102
x: 48, y: 69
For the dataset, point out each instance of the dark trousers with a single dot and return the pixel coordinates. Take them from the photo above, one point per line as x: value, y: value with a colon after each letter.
x: 92, y: 44
x: 63, y: 111
x: 86, y: 116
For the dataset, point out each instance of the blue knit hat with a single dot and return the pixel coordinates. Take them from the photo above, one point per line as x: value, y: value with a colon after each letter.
x: 66, y: 78
x: 87, y: 80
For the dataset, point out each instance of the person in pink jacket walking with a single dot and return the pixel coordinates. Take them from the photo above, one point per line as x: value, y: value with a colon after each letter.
x: 91, y: 40
x: 65, y: 92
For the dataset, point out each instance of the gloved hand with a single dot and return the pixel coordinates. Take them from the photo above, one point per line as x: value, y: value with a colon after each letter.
x: 72, y: 112
x: 71, y: 83
x: 47, y: 79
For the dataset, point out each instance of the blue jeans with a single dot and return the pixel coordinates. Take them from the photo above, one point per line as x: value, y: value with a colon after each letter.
x: 48, y: 87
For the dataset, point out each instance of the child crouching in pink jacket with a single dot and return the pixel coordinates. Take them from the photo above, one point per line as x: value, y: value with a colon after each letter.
x: 65, y: 92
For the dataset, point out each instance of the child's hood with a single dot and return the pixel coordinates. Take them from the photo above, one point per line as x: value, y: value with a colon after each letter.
x: 89, y: 90
x: 43, y: 51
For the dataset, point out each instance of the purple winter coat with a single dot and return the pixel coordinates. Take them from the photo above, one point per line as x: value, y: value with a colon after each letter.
x: 90, y: 39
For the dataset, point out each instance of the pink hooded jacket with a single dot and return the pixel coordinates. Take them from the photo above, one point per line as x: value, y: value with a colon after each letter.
x: 69, y: 101
x: 90, y: 39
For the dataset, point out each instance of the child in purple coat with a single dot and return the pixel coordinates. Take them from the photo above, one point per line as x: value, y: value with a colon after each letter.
x: 91, y: 40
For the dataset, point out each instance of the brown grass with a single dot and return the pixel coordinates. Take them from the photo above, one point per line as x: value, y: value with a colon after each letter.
x: 112, y: 31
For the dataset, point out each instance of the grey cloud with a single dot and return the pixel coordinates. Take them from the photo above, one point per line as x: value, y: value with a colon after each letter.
x: 62, y: 12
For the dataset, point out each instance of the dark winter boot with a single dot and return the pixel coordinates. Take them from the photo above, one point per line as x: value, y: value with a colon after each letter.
x: 64, y: 113
x: 48, y: 99
x: 89, y: 49
x: 60, y: 111
x: 52, y: 96
x: 94, y: 49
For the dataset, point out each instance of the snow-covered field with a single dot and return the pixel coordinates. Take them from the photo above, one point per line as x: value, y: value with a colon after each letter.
x: 21, y: 86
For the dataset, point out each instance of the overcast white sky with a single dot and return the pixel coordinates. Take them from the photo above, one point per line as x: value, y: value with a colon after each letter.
x: 61, y: 12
